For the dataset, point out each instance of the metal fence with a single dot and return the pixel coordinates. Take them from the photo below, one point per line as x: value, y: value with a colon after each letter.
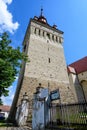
x: 69, y: 115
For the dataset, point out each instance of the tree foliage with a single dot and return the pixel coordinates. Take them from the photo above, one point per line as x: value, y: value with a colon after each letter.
x: 10, y: 60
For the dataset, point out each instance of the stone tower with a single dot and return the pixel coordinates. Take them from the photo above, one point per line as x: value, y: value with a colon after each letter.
x: 43, y: 45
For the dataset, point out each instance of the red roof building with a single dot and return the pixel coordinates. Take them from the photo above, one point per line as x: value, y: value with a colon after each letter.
x: 5, y: 108
x: 80, y: 65
x: 78, y: 79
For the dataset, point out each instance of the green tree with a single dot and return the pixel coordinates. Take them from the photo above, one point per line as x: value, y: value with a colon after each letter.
x: 10, y: 61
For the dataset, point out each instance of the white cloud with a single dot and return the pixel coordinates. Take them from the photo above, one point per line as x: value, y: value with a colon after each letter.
x: 6, y: 18
x: 7, y: 1
x: 8, y: 100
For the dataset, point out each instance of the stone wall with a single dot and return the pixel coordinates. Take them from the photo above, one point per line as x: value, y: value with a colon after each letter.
x: 29, y: 85
x: 46, y: 55
x: 84, y: 86
x: 82, y: 76
x: 76, y: 87
x: 47, y: 66
x: 72, y: 80
x: 83, y: 81
x: 47, y: 63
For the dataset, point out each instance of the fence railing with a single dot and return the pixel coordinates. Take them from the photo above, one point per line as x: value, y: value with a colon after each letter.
x: 69, y: 114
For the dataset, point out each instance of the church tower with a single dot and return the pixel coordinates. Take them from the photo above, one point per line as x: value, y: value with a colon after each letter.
x: 46, y: 66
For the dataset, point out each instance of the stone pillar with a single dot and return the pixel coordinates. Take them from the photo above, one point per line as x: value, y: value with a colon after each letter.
x: 22, y: 111
x: 32, y: 30
x: 40, y: 109
x: 61, y: 40
x: 50, y: 36
x: 41, y: 33
x: 57, y: 39
x: 54, y: 38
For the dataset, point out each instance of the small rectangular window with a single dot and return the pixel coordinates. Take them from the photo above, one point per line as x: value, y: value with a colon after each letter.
x: 56, y: 39
x: 35, y: 31
x: 53, y: 37
x: 49, y: 60
x: 39, y: 32
x: 43, y: 33
x: 48, y: 35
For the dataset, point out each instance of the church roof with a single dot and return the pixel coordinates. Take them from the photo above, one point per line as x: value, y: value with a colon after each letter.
x: 80, y: 65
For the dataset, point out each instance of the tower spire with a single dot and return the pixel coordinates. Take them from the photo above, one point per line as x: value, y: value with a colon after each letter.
x: 41, y: 18
x: 41, y: 11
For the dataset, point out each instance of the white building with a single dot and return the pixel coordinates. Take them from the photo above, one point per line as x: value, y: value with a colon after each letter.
x: 4, y: 111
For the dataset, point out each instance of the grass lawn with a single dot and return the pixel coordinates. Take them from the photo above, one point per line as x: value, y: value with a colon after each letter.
x: 3, y: 123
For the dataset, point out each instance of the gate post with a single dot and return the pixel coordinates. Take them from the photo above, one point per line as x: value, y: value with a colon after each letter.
x: 40, y: 109
x: 22, y: 111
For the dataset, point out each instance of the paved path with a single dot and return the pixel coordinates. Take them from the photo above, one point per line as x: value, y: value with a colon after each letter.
x: 15, y: 128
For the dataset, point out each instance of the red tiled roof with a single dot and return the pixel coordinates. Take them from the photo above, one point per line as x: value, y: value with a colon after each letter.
x: 5, y: 108
x: 80, y: 65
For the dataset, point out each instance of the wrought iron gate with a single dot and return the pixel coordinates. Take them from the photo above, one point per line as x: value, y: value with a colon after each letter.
x: 69, y: 116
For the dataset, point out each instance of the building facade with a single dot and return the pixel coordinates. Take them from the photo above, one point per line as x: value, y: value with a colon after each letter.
x: 77, y: 72
x: 4, y: 111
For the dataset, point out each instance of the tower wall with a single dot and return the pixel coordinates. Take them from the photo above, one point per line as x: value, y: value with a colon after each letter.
x: 43, y: 45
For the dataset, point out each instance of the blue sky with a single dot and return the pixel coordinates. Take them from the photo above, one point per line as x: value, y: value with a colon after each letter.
x: 70, y: 16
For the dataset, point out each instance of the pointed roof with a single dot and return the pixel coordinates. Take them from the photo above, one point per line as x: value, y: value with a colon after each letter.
x: 80, y: 65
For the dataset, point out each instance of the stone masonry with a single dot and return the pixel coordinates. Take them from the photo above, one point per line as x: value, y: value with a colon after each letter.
x: 43, y: 45
x: 47, y: 63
